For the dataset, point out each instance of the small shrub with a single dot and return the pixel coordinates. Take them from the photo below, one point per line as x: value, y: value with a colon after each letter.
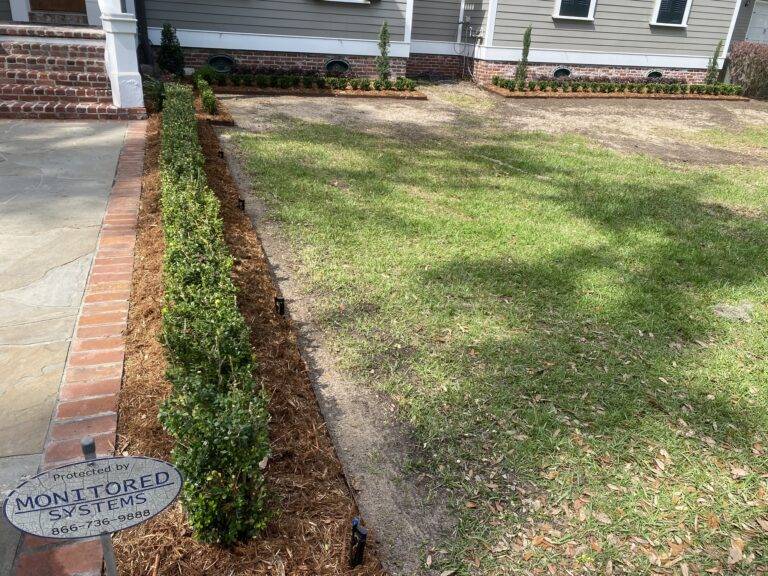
x: 365, y: 84
x: 378, y: 84
x: 307, y: 81
x: 154, y: 93
x: 262, y: 81
x: 221, y: 79
x: 248, y: 79
x: 354, y: 83
x: 237, y: 80
x: 321, y: 82
x: 207, y: 96
x: 170, y: 57
x: 207, y: 73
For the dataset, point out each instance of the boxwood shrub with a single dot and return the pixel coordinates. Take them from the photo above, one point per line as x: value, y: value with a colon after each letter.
x: 207, y: 96
x: 216, y: 411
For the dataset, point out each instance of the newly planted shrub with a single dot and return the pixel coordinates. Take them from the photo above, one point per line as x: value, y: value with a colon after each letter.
x: 713, y: 69
x: 382, y: 60
x: 207, y: 96
x: 521, y: 70
x: 216, y: 412
x: 170, y: 56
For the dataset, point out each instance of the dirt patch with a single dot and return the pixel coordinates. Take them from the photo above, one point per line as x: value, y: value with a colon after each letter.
x: 462, y: 111
x: 313, y: 504
x: 408, y: 513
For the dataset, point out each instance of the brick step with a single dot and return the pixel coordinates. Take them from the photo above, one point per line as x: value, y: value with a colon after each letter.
x: 50, y: 63
x: 68, y: 110
x: 26, y: 47
x: 33, y: 93
x: 98, y: 81
x: 44, y: 31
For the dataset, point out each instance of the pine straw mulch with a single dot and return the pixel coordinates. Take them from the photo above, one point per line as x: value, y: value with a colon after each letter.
x: 309, y: 534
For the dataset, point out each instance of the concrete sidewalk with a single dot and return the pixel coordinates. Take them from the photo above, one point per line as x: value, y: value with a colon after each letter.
x: 55, y: 178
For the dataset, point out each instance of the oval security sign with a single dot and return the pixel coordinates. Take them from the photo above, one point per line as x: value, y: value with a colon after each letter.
x: 91, y: 498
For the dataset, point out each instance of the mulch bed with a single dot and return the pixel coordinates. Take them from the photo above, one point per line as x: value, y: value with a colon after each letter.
x: 349, y: 93
x: 221, y: 118
x: 509, y: 94
x: 313, y: 504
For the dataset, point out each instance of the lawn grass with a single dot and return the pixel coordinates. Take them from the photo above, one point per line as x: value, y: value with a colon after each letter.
x: 542, y: 311
x: 751, y: 137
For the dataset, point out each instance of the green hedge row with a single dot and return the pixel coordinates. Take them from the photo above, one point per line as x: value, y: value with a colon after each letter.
x: 286, y: 81
x: 217, y: 411
x: 206, y: 95
x: 612, y: 87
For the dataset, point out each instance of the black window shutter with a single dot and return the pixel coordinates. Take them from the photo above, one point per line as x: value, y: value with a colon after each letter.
x: 671, y: 11
x: 579, y: 8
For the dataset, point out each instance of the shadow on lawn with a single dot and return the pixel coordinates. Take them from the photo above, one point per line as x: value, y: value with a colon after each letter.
x: 631, y: 356
x: 592, y: 360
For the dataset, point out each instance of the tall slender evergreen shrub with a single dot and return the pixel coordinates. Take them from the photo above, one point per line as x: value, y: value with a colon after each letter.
x: 713, y: 69
x: 521, y: 70
x: 382, y: 60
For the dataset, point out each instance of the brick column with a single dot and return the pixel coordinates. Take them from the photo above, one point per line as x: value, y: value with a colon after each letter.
x: 88, y: 397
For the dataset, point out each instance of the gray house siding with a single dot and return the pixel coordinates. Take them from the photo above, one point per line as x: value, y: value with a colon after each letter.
x: 282, y: 17
x: 436, y: 20
x: 742, y: 23
x: 620, y: 26
x: 476, y: 13
x: 5, y: 10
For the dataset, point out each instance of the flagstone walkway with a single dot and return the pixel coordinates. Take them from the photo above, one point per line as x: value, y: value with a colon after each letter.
x: 55, y: 178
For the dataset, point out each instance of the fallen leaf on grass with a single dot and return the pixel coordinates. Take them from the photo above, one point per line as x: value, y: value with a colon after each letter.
x: 736, y: 553
x: 738, y: 473
x: 448, y: 572
x: 602, y: 517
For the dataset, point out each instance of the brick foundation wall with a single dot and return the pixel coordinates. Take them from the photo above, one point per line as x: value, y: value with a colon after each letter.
x: 484, y: 71
x: 428, y: 65
x: 438, y: 66
x: 307, y: 63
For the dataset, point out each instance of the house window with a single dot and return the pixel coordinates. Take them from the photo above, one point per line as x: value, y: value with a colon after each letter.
x: 671, y: 13
x: 574, y: 9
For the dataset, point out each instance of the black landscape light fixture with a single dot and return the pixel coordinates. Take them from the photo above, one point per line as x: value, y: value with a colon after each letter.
x: 357, y: 546
x: 280, y: 305
x: 241, y: 204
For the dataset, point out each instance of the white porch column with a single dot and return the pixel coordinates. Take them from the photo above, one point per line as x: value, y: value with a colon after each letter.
x: 120, y: 54
x: 20, y: 10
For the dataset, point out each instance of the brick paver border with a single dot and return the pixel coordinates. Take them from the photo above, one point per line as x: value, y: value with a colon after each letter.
x: 87, y: 403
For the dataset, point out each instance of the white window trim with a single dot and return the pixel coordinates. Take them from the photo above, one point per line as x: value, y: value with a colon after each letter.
x: 683, y: 24
x: 589, y: 18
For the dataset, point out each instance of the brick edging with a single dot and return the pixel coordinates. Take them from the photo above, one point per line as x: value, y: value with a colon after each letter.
x: 87, y: 402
